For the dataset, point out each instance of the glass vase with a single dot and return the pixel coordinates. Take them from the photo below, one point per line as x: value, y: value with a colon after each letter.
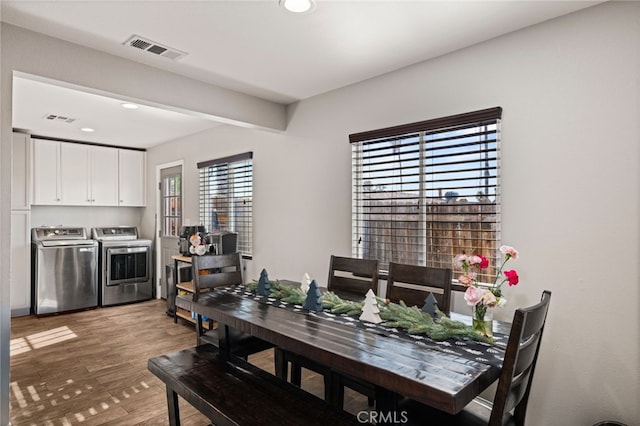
x: 483, y: 320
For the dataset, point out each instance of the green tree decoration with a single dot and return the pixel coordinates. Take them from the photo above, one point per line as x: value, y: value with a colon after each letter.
x: 264, y: 287
x: 431, y: 305
x: 313, y: 301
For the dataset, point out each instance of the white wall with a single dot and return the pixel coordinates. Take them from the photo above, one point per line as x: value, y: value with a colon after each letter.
x: 87, y: 217
x: 570, y: 89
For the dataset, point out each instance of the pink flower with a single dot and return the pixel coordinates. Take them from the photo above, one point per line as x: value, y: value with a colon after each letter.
x: 473, y: 295
x: 465, y: 280
x: 509, y: 252
x: 459, y: 260
x: 488, y: 299
x: 475, y: 260
x: 512, y: 276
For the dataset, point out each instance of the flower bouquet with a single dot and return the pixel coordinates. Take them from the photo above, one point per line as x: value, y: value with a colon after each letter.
x: 483, y: 297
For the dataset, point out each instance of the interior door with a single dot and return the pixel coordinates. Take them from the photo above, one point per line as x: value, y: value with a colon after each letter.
x: 171, y: 218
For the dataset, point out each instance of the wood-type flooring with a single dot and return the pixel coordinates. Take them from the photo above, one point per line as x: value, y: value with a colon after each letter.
x: 90, y: 368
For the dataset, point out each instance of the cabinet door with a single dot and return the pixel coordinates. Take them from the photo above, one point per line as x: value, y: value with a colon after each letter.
x: 75, y: 174
x: 131, y: 178
x: 46, y: 182
x: 20, y: 264
x: 104, y: 176
x: 21, y: 172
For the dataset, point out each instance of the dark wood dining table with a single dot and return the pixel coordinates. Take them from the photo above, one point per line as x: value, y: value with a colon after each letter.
x: 395, y: 366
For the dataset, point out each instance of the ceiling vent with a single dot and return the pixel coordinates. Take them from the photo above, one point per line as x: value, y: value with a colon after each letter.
x: 153, y: 47
x: 59, y: 118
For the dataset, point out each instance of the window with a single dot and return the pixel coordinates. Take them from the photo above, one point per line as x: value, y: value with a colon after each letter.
x: 226, y: 197
x: 171, y: 201
x: 426, y: 191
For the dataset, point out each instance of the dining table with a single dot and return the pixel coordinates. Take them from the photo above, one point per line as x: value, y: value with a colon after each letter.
x: 445, y: 375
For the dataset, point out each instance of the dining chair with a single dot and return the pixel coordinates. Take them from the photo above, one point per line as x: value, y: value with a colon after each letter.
x: 412, y: 284
x: 211, y: 272
x: 509, y: 405
x: 350, y: 279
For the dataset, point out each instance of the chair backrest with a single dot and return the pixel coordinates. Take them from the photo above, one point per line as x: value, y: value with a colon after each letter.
x: 211, y: 271
x: 519, y: 363
x: 412, y: 284
x: 353, y: 275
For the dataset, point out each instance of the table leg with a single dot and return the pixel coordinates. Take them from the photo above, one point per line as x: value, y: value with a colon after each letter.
x: 174, y: 410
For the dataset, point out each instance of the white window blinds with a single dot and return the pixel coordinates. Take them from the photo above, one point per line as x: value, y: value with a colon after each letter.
x: 427, y: 191
x: 226, y: 197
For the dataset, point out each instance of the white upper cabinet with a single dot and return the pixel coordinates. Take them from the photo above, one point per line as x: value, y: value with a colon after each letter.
x: 89, y: 175
x: 21, y: 172
x: 74, y: 174
x: 104, y: 176
x: 132, y: 173
x: 46, y: 176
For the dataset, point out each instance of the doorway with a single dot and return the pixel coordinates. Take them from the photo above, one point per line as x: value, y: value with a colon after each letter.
x: 170, y: 212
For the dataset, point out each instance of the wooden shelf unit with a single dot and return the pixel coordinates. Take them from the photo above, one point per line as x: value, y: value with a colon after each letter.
x: 185, y: 286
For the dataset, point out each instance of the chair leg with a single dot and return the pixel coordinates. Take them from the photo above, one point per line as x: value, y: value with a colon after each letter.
x: 329, y: 395
x: 296, y: 373
x: 280, y: 363
x: 337, y: 391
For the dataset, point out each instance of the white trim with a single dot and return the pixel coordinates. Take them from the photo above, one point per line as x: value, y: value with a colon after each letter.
x: 157, y: 239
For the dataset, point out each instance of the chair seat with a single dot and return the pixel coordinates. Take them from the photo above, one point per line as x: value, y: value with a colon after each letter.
x: 241, y: 344
x: 476, y: 413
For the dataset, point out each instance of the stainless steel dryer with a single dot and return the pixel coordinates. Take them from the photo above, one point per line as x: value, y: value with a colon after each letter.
x: 126, y: 273
x: 64, y: 270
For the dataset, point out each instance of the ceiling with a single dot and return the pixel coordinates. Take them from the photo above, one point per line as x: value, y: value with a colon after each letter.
x: 254, y: 47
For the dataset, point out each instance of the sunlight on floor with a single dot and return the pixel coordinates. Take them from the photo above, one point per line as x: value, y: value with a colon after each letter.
x: 34, y: 399
x: 40, y: 340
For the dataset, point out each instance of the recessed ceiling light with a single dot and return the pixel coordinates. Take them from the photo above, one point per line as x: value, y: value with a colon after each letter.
x: 128, y: 105
x: 298, y: 6
x: 87, y: 129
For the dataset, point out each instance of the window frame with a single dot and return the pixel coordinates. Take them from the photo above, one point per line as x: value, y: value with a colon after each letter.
x: 416, y: 163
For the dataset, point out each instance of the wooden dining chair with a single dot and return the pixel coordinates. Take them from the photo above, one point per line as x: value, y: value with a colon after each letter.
x: 509, y: 405
x: 211, y: 272
x: 412, y: 284
x: 350, y: 279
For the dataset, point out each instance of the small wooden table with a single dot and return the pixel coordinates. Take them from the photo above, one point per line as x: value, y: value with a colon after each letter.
x: 395, y: 366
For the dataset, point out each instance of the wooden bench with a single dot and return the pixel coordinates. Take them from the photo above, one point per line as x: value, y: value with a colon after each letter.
x: 238, y: 393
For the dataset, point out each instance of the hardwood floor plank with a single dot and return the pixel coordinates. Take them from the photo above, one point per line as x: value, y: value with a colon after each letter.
x: 90, y: 368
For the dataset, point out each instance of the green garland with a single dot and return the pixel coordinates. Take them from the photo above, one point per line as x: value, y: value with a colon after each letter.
x: 395, y: 315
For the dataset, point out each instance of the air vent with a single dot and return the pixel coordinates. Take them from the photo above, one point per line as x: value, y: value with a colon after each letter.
x: 59, y: 118
x: 155, y: 48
